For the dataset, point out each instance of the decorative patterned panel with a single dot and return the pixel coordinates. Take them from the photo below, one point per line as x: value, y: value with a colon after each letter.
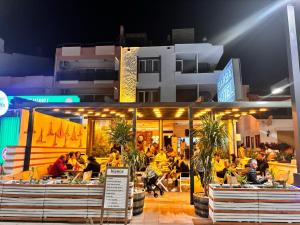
x: 128, y: 74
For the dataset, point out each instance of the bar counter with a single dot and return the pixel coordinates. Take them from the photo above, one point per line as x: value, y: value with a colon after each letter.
x: 57, y: 203
x: 254, y: 205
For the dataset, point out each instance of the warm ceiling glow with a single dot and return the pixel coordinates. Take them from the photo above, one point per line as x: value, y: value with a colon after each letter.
x: 263, y: 109
x: 140, y: 115
x: 227, y: 112
x: 77, y: 114
x: 56, y: 110
x: 130, y: 110
x: 81, y: 110
x: 97, y: 114
x: 90, y: 112
x: 157, y: 112
x: 179, y: 112
x: 122, y: 115
x: 252, y: 111
x: 68, y: 112
x: 207, y: 110
x: 236, y: 115
x: 244, y: 114
x: 118, y: 114
x: 221, y: 114
x: 85, y: 114
x: 112, y: 112
x: 103, y: 115
x: 105, y: 109
x: 235, y: 110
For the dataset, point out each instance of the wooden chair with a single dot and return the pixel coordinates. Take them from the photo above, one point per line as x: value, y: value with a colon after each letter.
x: 184, y: 180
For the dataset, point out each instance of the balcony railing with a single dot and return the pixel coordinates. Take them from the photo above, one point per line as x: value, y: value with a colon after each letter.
x: 87, y: 75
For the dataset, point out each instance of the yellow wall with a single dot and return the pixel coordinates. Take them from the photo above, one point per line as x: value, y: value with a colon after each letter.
x: 49, y: 131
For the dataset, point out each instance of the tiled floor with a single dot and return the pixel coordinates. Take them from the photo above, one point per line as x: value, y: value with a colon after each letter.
x: 172, y: 208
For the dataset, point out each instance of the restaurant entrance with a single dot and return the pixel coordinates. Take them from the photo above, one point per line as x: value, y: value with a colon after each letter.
x: 167, y: 127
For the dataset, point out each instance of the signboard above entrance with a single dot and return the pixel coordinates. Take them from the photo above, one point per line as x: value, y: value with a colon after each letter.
x: 3, y: 103
x: 229, y: 86
x: 48, y: 98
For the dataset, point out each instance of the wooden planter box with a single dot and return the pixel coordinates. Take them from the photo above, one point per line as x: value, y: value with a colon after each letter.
x: 56, y: 203
x: 254, y: 205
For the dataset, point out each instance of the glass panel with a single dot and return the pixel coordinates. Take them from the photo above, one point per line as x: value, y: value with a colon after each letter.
x: 178, y: 66
x: 149, y: 66
x: 155, y: 66
x: 142, y: 66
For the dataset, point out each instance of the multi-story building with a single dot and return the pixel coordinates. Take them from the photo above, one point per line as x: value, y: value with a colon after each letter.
x: 24, y: 74
x: 90, y: 72
x: 175, y: 73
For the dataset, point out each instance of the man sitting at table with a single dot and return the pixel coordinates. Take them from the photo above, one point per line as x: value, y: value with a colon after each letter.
x: 93, y: 166
x: 59, y: 167
x: 252, y: 176
x: 262, y: 163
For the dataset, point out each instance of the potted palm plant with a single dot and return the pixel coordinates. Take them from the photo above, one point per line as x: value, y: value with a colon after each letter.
x: 120, y: 133
x: 212, y: 137
x: 135, y: 160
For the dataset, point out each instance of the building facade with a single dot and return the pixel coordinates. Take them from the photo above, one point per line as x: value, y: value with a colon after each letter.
x: 175, y: 73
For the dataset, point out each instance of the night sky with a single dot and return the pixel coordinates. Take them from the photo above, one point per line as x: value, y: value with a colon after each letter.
x: 38, y: 26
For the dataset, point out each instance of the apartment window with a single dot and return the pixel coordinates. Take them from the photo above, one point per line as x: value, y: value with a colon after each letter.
x: 149, y: 65
x: 179, y: 65
x: 148, y: 96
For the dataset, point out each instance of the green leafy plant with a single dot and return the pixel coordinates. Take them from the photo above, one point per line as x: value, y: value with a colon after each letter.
x: 212, y: 137
x: 120, y: 133
x: 242, y: 180
x: 134, y: 159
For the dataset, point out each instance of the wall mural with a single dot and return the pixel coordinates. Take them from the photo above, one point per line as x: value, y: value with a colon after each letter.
x: 51, y: 131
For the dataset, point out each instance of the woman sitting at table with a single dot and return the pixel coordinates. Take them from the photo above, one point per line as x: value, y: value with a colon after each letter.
x: 59, y: 167
x: 93, y: 166
x: 161, y: 156
x: 116, y: 161
x: 219, y: 166
x: 79, y: 158
x: 72, y: 162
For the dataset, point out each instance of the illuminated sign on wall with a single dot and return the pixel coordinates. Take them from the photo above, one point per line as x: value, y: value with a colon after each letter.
x: 49, y: 98
x: 3, y: 103
x: 229, y: 86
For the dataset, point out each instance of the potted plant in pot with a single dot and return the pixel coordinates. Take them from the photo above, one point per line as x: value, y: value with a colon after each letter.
x: 212, y: 137
x: 135, y: 160
x: 120, y: 133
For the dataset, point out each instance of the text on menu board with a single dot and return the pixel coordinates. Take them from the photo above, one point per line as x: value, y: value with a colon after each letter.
x: 116, y: 188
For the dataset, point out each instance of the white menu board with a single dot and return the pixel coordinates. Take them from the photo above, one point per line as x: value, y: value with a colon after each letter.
x: 115, y: 192
x: 116, y: 188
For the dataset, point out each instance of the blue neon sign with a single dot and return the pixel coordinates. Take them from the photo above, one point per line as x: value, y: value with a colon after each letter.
x: 226, y: 84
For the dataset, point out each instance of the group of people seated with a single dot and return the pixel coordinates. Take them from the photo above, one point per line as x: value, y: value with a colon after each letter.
x: 254, y: 167
x: 166, y: 162
x: 73, y: 162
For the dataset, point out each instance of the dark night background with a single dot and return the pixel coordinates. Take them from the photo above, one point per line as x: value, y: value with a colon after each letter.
x: 38, y: 26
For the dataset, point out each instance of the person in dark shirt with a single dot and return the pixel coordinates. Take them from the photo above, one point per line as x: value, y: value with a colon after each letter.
x: 252, y: 176
x: 262, y: 164
x: 93, y: 166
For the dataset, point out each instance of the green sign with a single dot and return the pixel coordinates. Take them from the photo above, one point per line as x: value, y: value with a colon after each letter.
x: 48, y: 98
